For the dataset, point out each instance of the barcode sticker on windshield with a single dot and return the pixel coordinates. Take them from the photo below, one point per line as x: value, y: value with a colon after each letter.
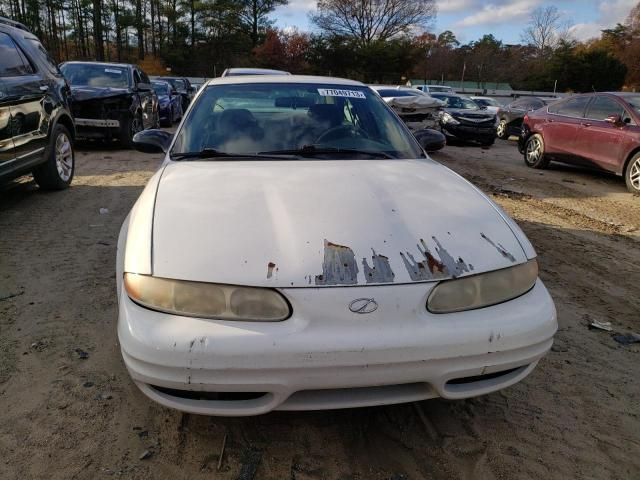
x: 335, y: 92
x: 111, y: 70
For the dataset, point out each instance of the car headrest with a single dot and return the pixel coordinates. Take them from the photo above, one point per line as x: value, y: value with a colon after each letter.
x: 326, y: 113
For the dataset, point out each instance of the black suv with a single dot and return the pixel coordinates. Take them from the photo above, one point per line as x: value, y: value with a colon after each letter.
x: 111, y: 100
x: 36, y: 127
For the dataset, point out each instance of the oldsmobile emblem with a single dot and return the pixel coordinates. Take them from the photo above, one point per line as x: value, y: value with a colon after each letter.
x: 363, y: 305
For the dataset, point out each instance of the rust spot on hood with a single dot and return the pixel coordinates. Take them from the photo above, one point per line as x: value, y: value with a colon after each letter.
x: 434, y: 265
x: 339, y: 266
x: 270, y: 267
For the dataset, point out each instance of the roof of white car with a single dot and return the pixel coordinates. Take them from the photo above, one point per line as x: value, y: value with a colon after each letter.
x: 282, y: 79
x: 395, y: 87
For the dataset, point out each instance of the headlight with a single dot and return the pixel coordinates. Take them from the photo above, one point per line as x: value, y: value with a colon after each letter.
x: 447, y: 118
x: 483, y: 290
x: 207, y: 300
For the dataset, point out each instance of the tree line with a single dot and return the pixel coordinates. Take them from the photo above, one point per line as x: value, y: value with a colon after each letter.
x: 370, y: 40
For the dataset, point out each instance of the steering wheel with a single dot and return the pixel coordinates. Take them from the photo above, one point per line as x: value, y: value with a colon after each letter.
x: 342, y: 131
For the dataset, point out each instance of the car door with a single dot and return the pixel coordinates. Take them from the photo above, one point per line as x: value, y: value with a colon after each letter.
x: 25, y: 96
x: 560, y: 128
x: 146, y: 98
x: 7, y: 153
x: 599, y: 141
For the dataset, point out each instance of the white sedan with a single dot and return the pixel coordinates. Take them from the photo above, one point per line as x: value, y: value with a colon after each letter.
x: 298, y: 250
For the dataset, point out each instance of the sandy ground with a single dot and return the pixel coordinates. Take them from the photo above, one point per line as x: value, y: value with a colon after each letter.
x: 67, y: 417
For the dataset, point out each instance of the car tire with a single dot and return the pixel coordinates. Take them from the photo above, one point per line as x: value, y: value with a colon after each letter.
x: 131, y: 126
x: 57, y: 171
x: 169, y: 122
x: 632, y: 174
x: 534, y: 155
x: 501, y: 130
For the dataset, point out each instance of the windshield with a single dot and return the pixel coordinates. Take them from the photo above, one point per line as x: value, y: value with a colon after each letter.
x: 486, y: 102
x: 161, y: 88
x: 177, y: 83
x: 462, y: 103
x: 275, y: 117
x: 95, y: 75
x: 634, y: 101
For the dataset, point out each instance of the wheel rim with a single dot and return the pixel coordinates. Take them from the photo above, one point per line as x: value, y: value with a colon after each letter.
x: 64, y: 157
x: 634, y: 174
x: 534, y: 150
x: 501, y: 126
x: 135, y: 126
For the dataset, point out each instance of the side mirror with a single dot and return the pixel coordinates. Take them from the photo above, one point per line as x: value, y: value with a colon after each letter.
x: 614, y: 120
x: 152, y: 141
x: 144, y: 87
x: 174, y: 92
x: 430, y: 140
x: 191, y: 89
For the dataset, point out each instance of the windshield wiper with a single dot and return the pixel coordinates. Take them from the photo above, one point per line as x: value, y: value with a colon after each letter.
x: 312, y: 150
x: 213, y: 153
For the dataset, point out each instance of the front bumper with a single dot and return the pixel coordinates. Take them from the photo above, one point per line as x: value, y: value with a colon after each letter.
x: 99, y: 123
x: 337, y: 361
x: 469, y: 133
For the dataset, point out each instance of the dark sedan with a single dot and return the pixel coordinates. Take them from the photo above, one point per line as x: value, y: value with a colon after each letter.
x: 111, y: 100
x: 463, y: 119
x: 169, y: 103
x: 600, y: 130
x: 510, y: 116
x: 183, y: 86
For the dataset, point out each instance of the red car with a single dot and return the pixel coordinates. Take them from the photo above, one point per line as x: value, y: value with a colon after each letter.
x: 599, y: 130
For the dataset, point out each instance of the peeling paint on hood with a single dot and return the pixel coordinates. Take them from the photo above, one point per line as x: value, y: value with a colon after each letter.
x: 321, y: 223
x: 339, y: 266
x: 380, y: 271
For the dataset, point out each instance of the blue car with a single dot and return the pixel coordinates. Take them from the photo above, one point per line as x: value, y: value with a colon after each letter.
x: 169, y: 103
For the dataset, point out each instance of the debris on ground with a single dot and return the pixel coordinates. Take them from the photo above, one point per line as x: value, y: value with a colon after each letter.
x: 221, y: 456
x: 87, y: 384
x: 598, y: 325
x: 627, y: 339
x: 104, y: 396
x: 104, y: 211
x: 39, y: 345
x: 82, y: 355
x: 250, y: 461
x: 7, y: 296
x: 146, y: 454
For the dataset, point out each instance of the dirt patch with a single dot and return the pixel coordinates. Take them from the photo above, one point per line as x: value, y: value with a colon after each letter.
x: 69, y: 409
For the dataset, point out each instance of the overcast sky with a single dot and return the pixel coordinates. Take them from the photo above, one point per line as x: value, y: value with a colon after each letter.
x: 505, y: 19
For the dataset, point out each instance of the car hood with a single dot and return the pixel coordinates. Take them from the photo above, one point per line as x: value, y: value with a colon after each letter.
x: 324, y: 223
x: 82, y: 93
